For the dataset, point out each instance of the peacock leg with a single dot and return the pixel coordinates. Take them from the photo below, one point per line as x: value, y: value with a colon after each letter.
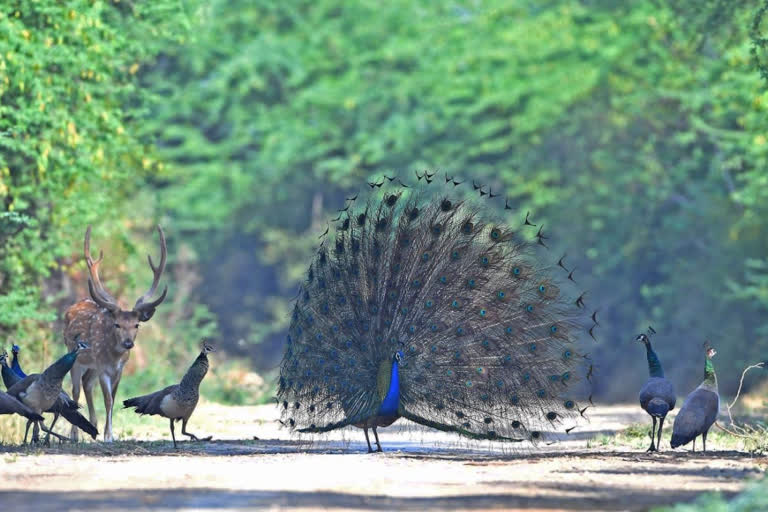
x: 653, y: 436
x: 694, y: 445
x: 49, y: 432
x: 173, y: 434
x: 370, y: 450
x: 658, y: 441
x: 378, y: 444
x: 704, y: 440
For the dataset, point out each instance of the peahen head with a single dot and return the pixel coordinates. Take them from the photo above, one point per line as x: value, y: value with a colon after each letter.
x: 206, y: 347
x: 81, y: 345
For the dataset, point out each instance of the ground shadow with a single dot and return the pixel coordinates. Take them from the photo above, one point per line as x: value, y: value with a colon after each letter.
x: 560, y: 496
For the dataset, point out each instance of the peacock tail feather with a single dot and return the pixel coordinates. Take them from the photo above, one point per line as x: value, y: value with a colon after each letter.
x: 487, y: 336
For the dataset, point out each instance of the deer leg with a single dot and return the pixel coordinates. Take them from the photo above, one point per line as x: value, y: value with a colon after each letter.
x: 77, y: 381
x: 106, y: 389
x: 173, y: 434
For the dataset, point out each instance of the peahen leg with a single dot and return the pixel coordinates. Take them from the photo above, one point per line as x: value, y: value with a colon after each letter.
x: 26, y: 431
x: 658, y: 440
x: 653, y: 436
x: 370, y: 450
x: 173, y: 434
x: 193, y: 436
x: 694, y: 445
x: 704, y: 440
x: 49, y: 432
x: 47, y: 439
x: 378, y: 444
x: 36, y: 432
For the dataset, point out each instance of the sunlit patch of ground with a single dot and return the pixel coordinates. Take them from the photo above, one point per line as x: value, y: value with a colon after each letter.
x: 590, y: 469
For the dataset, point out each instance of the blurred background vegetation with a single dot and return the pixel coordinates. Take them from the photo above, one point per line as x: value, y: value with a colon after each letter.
x: 637, y: 130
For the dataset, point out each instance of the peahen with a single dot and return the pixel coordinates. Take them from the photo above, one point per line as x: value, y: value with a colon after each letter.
x: 700, y: 408
x: 63, y: 406
x: 40, y: 392
x: 428, y: 307
x: 657, y: 396
x: 177, y: 402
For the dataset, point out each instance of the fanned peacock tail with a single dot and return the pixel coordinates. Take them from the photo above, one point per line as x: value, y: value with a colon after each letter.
x: 486, y: 335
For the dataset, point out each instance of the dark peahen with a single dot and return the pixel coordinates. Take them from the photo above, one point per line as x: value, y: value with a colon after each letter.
x: 8, y: 403
x: 63, y: 406
x: 657, y: 397
x: 40, y: 392
x: 427, y: 307
x: 177, y: 402
x: 700, y: 408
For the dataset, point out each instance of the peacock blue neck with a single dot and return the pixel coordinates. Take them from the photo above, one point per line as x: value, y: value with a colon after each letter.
x: 16, y: 367
x: 391, y: 402
x: 654, y: 365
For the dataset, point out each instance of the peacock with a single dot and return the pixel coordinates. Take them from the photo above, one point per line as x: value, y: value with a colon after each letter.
x: 425, y: 305
x: 700, y: 408
x: 657, y: 396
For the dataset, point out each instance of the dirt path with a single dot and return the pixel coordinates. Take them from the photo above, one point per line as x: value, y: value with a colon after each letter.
x: 420, y: 470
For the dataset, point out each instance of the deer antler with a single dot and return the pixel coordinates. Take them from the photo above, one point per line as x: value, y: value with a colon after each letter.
x: 99, y: 295
x: 145, y: 305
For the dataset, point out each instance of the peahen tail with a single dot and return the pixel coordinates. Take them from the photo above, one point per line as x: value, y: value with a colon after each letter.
x: 475, y: 308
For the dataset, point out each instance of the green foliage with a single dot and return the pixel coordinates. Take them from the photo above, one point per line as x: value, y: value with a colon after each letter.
x: 636, y: 131
x: 753, y: 499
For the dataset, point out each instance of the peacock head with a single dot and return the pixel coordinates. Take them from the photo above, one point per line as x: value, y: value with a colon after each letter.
x: 642, y: 338
x: 4, y: 358
x: 709, y: 350
x: 15, y: 349
x: 398, y: 357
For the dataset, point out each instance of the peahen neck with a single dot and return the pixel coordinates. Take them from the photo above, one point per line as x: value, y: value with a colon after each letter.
x: 654, y: 365
x: 196, y: 372
x: 391, y: 402
x: 16, y: 367
x: 710, y: 380
x: 58, y: 370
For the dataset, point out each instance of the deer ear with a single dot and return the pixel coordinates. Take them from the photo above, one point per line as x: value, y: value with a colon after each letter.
x: 146, y: 314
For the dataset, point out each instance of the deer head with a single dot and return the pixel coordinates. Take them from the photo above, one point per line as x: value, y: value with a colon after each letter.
x: 126, y: 322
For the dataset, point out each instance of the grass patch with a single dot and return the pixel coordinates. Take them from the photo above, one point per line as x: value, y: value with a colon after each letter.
x: 754, y: 498
x: 637, y: 436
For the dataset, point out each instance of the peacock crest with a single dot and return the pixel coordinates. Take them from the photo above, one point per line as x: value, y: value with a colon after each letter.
x: 472, y: 311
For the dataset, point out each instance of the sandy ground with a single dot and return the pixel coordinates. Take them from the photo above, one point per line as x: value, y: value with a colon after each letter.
x: 420, y: 470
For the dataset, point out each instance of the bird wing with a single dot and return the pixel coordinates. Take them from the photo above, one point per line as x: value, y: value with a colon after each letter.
x: 21, y: 386
x: 10, y: 405
x: 149, y: 404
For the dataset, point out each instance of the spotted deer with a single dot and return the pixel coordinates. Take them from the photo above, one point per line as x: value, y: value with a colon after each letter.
x: 111, y: 331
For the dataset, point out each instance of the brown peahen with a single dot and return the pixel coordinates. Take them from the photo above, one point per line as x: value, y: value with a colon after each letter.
x: 177, y: 402
x: 425, y: 305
